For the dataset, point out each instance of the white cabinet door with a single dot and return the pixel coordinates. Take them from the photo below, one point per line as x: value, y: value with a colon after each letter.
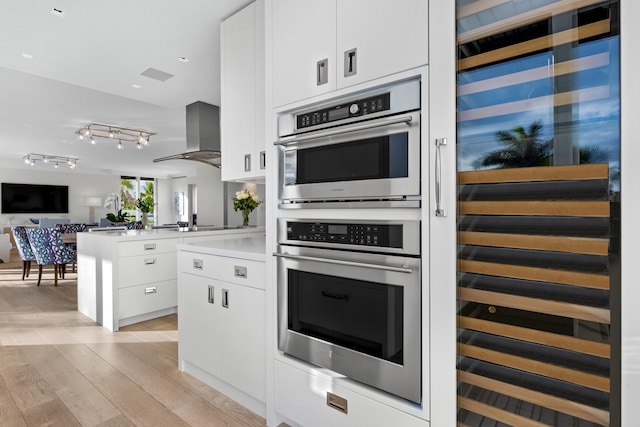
x: 304, y: 33
x: 198, y: 340
x: 388, y: 37
x: 242, y: 94
x: 242, y: 338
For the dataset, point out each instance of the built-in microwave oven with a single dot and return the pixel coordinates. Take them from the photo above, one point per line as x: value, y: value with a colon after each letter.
x: 363, y: 149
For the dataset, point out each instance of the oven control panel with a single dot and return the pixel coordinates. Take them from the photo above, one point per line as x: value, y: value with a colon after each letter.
x: 356, y: 108
x: 379, y: 235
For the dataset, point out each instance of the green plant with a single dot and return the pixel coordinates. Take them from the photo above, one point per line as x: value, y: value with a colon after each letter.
x: 145, y: 205
x: 118, y: 217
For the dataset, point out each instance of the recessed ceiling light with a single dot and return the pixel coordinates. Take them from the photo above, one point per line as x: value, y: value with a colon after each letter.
x: 183, y: 59
x: 27, y: 56
x: 57, y: 12
x: 136, y: 86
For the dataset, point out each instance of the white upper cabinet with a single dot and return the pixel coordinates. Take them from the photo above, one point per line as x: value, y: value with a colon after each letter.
x: 242, y: 94
x: 377, y: 38
x: 304, y: 35
x: 321, y: 46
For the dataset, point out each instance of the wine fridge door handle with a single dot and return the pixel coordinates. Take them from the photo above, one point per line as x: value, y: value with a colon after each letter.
x: 440, y: 212
x: 401, y: 269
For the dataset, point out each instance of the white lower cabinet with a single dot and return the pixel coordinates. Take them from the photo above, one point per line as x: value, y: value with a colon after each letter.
x: 314, y: 400
x: 221, y: 326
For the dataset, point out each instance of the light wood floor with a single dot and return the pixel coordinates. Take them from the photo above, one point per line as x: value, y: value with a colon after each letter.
x: 59, y: 368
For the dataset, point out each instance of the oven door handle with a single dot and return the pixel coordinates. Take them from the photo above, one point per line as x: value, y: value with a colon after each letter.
x: 342, y: 130
x: 401, y: 269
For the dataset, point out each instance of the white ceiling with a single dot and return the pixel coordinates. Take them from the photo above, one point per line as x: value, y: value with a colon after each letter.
x: 82, y: 71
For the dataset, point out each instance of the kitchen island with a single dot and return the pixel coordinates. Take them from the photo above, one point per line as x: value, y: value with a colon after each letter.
x: 126, y: 277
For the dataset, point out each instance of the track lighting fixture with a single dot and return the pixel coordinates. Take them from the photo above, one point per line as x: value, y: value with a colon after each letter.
x: 31, y: 159
x: 96, y: 130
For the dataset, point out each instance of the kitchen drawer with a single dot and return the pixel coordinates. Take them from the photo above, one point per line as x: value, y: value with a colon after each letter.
x: 145, y: 247
x: 302, y: 397
x: 142, y: 299
x: 233, y: 270
x: 149, y: 268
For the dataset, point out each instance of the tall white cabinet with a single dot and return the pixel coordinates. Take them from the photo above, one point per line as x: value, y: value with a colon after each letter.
x: 242, y: 109
x: 319, y: 47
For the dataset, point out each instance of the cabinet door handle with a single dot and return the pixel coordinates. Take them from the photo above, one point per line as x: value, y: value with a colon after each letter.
x: 438, y: 171
x: 151, y: 290
x: 240, y: 271
x: 197, y: 264
x: 149, y: 246
x: 210, y: 294
x: 350, y: 62
x: 149, y: 261
x: 263, y: 160
x: 225, y: 298
x: 322, y: 75
x: 247, y: 162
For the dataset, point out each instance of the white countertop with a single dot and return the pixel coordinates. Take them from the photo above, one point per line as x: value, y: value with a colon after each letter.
x: 168, y: 233
x: 251, y: 247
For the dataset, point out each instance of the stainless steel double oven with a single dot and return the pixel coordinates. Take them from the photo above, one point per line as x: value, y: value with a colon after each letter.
x: 349, y: 291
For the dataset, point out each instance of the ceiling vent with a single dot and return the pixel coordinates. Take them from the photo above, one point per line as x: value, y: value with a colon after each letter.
x: 154, y: 74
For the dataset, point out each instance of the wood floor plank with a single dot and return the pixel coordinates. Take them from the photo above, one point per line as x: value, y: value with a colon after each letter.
x: 52, y: 413
x: 193, y: 409
x: 165, y: 362
x: 86, y: 403
x: 140, y: 407
x: 119, y: 421
x: 27, y: 387
x: 10, y: 414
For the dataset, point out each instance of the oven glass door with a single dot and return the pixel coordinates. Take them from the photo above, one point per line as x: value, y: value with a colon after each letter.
x: 357, y: 314
x: 371, y: 160
x: 379, y: 157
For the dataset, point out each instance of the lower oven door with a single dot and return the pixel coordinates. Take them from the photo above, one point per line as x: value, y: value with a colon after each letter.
x: 354, y: 313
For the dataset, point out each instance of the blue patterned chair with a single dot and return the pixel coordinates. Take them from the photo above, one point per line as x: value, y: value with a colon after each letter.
x: 71, y: 228
x: 24, y: 249
x: 134, y: 225
x: 48, y: 248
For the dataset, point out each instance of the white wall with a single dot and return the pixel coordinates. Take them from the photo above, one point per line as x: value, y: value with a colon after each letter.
x: 80, y: 186
x: 210, y: 197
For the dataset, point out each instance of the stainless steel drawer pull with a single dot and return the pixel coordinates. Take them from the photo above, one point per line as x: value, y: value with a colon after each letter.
x: 149, y: 261
x: 149, y: 246
x: 240, y: 271
x: 225, y: 298
x: 151, y: 290
x: 338, y: 403
x: 197, y: 264
x: 210, y: 294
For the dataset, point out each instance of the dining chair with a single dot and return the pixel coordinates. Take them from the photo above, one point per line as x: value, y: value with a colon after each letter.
x: 134, y: 225
x: 71, y: 228
x: 48, y: 248
x: 24, y: 249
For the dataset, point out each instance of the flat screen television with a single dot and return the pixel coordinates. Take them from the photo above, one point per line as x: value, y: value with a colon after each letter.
x: 34, y: 198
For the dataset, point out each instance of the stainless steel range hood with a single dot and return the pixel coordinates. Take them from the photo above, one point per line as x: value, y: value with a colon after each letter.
x: 203, y: 135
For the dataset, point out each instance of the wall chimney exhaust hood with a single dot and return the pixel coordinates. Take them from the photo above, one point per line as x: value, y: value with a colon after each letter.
x: 203, y: 135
